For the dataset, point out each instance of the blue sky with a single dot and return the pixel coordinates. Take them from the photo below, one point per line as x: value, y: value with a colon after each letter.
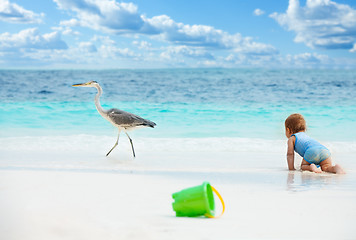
x: 166, y: 33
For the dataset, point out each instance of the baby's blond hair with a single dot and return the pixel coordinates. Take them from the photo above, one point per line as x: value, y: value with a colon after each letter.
x: 296, y: 123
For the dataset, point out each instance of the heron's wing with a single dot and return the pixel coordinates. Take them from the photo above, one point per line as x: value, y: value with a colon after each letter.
x: 128, y: 120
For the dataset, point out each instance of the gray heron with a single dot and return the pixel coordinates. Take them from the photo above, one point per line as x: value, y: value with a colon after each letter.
x: 124, y: 121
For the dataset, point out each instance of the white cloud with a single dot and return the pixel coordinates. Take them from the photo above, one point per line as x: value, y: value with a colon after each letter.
x: 108, y: 48
x: 353, y: 49
x: 249, y: 47
x: 177, y: 52
x: 97, y: 52
x: 193, y: 35
x: 65, y: 27
x: 104, y: 40
x: 203, y: 36
x: 13, y: 13
x: 113, y: 52
x: 258, y: 12
x: 244, y: 60
x: 320, y: 24
x: 87, y: 47
x: 303, y: 60
x: 70, y: 23
x: 124, y: 18
x: 143, y: 45
x: 307, y: 58
x: 31, y: 48
x: 31, y: 38
x: 103, y: 15
x: 69, y: 31
x: 208, y: 63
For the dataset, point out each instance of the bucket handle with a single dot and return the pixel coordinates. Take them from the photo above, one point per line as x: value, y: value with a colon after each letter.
x: 222, y: 203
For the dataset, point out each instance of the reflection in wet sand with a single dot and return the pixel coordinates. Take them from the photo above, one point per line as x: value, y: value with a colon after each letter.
x: 303, y: 181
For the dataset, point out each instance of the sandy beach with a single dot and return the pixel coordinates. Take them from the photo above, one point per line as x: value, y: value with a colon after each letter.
x: 67, y: 191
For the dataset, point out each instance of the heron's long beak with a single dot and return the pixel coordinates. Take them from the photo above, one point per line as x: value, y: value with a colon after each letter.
x: 80, y: 85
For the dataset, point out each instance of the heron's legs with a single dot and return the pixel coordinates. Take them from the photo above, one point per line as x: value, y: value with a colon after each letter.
x: 117, y: 142
x: 133, y: 150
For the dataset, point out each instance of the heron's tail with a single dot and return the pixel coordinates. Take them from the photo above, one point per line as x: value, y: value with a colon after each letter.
x: 149, y: 123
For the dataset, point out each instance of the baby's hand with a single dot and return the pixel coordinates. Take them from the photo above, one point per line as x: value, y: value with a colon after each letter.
x: 314, y: 168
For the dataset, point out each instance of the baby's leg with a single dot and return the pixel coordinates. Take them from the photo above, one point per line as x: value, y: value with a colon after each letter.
x: 327, y: 166
x: 310, y: 167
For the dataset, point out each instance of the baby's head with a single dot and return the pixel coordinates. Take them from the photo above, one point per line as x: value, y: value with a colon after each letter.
x: 295, y: 123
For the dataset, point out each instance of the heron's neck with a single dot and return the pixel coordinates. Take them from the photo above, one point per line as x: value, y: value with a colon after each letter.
x: 97, y: 100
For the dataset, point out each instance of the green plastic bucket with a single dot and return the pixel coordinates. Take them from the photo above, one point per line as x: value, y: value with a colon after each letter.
x: 195, y: 201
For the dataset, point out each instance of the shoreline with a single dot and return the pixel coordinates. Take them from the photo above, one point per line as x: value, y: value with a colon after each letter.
x: 223, y: 154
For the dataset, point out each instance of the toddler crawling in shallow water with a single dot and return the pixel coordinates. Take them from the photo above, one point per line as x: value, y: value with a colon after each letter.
x: 314, y: 154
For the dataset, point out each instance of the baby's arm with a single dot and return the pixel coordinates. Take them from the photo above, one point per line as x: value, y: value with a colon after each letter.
x: 290, y: 153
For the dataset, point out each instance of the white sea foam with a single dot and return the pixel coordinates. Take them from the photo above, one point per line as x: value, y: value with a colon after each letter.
x: 188, y: 154
x: 221, y: 144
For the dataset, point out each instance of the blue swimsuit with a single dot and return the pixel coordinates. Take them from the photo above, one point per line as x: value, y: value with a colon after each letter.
x: 311, y: 150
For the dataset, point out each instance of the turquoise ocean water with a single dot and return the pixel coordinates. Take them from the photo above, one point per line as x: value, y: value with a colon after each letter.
x: 241, y: 103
